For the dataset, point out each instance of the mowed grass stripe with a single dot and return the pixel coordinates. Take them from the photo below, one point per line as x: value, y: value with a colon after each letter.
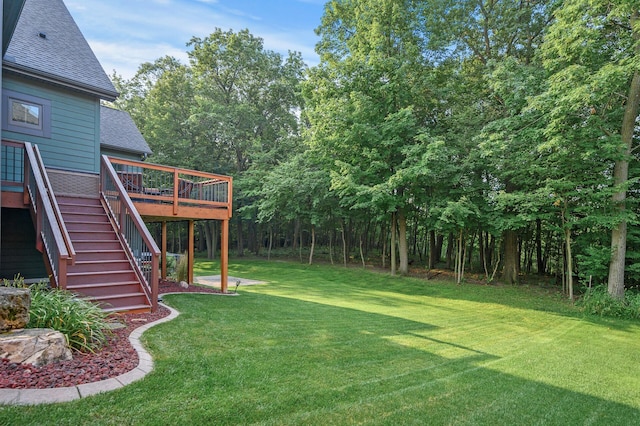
x: 324, y: 345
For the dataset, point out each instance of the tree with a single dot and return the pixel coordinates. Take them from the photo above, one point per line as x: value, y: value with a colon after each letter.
x: 591, y: 52
x: 245, y: 105
x: 476, y: 37
x: 367, y: 103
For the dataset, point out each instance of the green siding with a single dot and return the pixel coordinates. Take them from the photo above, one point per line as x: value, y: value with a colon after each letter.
x: 75, y: 126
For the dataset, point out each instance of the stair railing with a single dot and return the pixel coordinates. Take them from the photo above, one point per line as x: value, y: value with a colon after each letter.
x: 141, y: 247
x: 52, y: 237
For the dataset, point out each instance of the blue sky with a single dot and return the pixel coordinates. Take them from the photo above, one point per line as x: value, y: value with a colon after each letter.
x: 125, y: 33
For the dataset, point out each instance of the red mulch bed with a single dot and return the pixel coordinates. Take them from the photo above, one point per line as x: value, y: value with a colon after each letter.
x: 115, y: 358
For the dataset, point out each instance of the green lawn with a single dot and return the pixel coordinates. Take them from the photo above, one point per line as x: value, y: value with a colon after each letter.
x: 325, y: 345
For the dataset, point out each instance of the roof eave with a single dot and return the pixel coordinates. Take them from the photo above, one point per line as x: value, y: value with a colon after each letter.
x: 60, y: 81
x: 129, y: 150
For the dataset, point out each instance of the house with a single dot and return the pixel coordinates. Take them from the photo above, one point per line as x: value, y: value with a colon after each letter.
x: 75, y: 193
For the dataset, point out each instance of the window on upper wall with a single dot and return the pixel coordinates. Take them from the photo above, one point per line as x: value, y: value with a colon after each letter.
x: 26, y: 114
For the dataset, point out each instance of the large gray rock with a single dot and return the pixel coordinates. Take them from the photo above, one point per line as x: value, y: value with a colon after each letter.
x: 37, y: 346
x: 14, y: 308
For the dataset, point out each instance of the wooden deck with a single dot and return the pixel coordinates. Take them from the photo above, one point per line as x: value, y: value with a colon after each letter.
x: 162, y: 193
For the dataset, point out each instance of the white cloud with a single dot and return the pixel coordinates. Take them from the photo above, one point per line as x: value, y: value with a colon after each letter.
x: 126, y: 63
x: 127, y: 33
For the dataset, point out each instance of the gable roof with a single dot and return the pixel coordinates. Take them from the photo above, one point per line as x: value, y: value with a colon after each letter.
x: 48, y: 45
x: 10, y: 13
x: 118, y: 131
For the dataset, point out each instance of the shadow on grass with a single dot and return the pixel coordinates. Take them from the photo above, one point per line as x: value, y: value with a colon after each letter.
x: 273, y: 359
x: 292, y: 361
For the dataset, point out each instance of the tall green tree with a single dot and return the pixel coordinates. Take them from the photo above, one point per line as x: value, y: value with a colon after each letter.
x: 368, y: 104
x: 245, y: 106
x: 477, y: 36
x: 592, y: 54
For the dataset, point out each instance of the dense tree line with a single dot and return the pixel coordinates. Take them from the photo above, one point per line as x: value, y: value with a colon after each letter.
x: 497, y: 136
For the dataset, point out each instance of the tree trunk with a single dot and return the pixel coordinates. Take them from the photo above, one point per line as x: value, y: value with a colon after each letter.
x: 331, y: 246
x: 432, y: 249
x: 449, y: 254
x: 344, y: 246
x: 393, y: 243
x: 539, y: 258
x: 313, y: 243
x: 384, y: 247
x: 300, y: 246
x: 620, y: 176
x: 296, y: 234
x: 469, y: 252
x: 511, y: 260
x: 208, y: 238
x: 567, y: 241
x: 240, y: 235
x: 459, y: 258
x: 270, y: 242
x: 402, y: 243
x: 439, y: 243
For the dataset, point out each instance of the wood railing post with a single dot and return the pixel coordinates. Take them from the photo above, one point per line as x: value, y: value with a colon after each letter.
x: 39, y: 220
x: 175, y: 191
x: 163, y: 250
x: 191, y: 252
x: 224, y: 256
x: 26, y: 178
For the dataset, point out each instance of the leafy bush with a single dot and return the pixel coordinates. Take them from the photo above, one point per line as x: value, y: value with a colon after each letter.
x: 83, y: 323
x: 597, y: 301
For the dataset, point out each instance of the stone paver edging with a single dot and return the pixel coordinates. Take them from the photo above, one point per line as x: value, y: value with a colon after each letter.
x: 48, y: 396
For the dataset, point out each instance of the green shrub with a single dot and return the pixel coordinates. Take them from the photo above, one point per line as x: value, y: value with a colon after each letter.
x: 83, y: 323
x: 597, y: 301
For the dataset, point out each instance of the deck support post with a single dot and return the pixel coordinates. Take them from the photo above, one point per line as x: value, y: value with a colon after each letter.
x: 224, y: 256
x: 163, y: 250
x: 191, y: 252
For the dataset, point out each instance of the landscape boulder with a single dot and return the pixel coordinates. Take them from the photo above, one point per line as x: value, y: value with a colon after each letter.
x: 37, y: 346
x: 14, y: 308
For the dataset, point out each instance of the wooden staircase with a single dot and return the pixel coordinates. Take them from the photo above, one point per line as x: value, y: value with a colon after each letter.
x: 102, y: 272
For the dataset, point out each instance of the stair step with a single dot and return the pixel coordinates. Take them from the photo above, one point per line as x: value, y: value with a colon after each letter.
x: 102, y: 272
x: 99, y: 255
x: 88, y: 226
x: 92, y: 245
x: 72, y: 208
x: 121, y: 301
x: 102, y: 265
x: 98, y: 214
x: 106, y: 289
x: 82, y: 235
x: 86, y: 278
x: 130, y: 309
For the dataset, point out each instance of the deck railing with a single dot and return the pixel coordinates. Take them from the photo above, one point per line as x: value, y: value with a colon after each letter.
x: 51, y: 232
x: 12, y: 168
x: 173, y: 185
x: 132, y: 230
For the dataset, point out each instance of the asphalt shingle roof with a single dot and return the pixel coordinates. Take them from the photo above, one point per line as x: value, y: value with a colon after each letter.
x: 118, y: 131
x: 48, y: 44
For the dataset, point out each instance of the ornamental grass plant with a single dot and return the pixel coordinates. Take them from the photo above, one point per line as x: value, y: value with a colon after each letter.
x: 83, y: 323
